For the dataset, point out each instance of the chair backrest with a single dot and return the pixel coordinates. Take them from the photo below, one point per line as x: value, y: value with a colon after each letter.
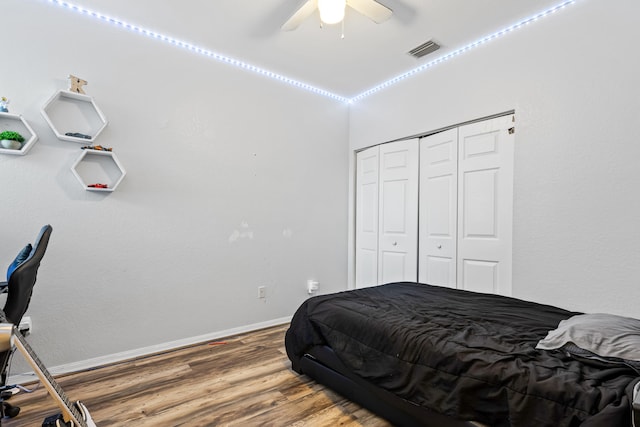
x: 23, y: 278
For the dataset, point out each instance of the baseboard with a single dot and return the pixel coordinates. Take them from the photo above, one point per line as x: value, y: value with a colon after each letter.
x: 83, y: 365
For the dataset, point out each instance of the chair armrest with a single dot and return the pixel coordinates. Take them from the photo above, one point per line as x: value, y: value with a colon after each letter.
x: 4, y: 287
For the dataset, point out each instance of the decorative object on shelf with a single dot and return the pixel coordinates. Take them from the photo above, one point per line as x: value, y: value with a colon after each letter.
x: 16, y: 123
x: 78, y: 135
x: 97, y: 147
x: 11, y: 140
x: 98, y: 185
x: 4, y: 105
x: 76, y: 84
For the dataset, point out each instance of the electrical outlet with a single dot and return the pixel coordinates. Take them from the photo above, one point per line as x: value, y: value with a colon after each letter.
x: 262, y: 292
x: 312, y: 286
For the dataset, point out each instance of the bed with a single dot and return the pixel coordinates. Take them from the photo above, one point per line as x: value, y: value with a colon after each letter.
x: 421, y: 355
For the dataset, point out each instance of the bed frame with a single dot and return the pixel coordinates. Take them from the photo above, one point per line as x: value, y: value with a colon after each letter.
x: 321, y: 364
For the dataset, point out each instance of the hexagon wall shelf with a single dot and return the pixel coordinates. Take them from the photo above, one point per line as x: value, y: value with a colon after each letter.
x: 17, y: 123
x: 70, y: 112
x: 98, y: 167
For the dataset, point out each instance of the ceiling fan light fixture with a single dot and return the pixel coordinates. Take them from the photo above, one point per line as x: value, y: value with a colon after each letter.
x: 331, y: 11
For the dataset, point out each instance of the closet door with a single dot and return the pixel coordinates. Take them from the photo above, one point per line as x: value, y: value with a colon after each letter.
x: 438, y: 208
x: 367, y: 165
x: 485, y: 205
x: 398, y: 220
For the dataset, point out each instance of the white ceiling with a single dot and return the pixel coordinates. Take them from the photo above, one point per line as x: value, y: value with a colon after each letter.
x: 249, y: 30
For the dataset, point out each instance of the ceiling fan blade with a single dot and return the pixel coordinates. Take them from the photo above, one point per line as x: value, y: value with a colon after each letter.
x: 300, y: 15
x: 373, y: 10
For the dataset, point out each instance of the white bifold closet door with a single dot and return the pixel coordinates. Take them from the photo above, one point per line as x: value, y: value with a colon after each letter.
x: 387, y: 214
x: 466, y: 207
x: 438, y: 208
x: 367, y: 166
x: 485, y: 205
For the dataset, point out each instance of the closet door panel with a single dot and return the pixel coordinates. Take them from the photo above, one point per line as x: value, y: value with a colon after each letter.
x: 485, y: 199
x: 367, y: 169
x: 438, y: 209
x: 393, y: 267
x: 398, y: 222
x: 480, y: 276
x: 479, y: 204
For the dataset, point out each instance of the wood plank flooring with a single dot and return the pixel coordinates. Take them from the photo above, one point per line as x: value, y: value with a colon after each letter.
x: 247, y: 381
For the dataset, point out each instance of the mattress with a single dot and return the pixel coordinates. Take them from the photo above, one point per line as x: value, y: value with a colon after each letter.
x: 465, y: 355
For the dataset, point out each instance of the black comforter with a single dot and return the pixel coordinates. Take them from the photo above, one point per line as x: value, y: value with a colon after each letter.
x: 466, y: 355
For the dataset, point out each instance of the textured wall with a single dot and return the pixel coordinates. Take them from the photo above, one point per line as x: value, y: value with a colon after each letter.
x: 572, y: 79
x: 230, y: 185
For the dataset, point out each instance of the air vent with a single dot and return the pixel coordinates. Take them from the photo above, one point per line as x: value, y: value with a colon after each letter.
x: 424, y: 49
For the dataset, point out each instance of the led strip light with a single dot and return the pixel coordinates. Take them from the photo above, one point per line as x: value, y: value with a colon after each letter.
x: 296, y: 83
x: 462, y: 50
x: 197, y: 49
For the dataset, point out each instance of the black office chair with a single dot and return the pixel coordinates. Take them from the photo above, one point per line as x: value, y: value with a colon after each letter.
x: 21, y: 277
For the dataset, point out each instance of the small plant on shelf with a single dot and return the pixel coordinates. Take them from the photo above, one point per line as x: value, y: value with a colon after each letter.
x: 11, y: 140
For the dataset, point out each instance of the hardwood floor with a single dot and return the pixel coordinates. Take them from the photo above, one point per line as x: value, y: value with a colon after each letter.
x: 247, y: 381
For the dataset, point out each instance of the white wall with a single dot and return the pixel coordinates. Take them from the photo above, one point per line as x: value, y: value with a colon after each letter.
x: 215, y: 155
x: 233, y: 181
x: 572, y: 79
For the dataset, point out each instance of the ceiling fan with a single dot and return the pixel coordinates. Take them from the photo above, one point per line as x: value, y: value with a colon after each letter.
x: 332, y: 11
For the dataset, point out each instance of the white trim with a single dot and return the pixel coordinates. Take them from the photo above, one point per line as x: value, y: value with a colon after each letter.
x: 95, y: 362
